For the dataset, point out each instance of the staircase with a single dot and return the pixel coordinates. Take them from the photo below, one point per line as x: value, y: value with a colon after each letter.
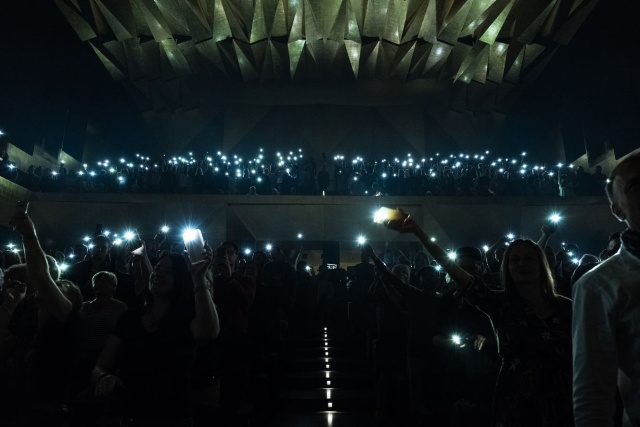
x: 327, y: 382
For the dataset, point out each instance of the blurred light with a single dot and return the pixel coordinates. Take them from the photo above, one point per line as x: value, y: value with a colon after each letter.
x: 452, y: 256
x: 555, y: 218
x: 247, y: 251
x: 63, y: 266
x: 86, y: 238
x: 106, y: 233
x: 189, y: 235
x: 485, y: 248
x: 164, y: 229
x: 456, y: 339
x: 299, y: 235
x: 511, y: 236
x: 361, y: 240
x: 129, y: 235
x: 575, y: 260
x: 269, y: 246
x: 438, y: 268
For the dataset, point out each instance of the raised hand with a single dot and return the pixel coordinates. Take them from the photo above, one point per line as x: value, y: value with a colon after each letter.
x: 106, y: 384
x: 198, y: 269
x: 404, y: 225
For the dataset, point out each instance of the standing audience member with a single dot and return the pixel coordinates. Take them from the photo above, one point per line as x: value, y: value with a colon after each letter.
x: 49, y: 352
x: 82, y: 272
x: 532, y: 324
x: 606, y: 317
x: 99, y: 318
x: 146, y: 362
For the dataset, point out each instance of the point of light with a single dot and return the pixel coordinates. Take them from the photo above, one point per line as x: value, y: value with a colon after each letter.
x: 129, y: 235
x: 452, y: 256
x: 247, y: 251
x: 117, y: 242
x: 300, y: 237
x: 361, y: 240
x: 86, y: 238
x: 269, y: 246
x: 164, y: 229
x: 456, y: 339
x: 189, y: 235
x: 485, y: 248
x: 511, y: 236
x: 555, y: 218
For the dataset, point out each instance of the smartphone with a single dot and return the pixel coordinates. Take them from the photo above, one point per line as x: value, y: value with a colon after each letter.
x: 386, y: 214
x: 22, y: 207
x: 195, y: 245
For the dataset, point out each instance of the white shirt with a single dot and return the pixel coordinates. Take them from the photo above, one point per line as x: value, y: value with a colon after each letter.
x: 606, y: 342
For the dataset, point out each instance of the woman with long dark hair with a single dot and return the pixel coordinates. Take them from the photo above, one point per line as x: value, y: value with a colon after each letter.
x: 146, y: 363
x: 532, y: 324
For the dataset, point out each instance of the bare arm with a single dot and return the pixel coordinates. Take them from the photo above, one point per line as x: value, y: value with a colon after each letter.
x: 547, y: 230
x: 205, y: 326
x: 103, y: 374
x: 58, y: 305
x: 461, y: 278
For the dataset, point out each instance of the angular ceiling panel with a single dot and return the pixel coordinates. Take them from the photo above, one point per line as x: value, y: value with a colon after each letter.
x: 215, y: 42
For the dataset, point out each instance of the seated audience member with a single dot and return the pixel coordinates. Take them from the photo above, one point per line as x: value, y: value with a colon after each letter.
x: 146, y: 362
x: 606, y: 317
x: 43, y: 387
x: 532, y: 325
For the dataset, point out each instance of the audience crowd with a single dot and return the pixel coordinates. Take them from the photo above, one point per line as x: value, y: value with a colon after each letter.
x: 293, y: 173
x: 178, y: 334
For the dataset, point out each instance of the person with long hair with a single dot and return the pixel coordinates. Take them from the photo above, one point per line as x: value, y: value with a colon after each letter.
x: 532, y: 325
x: 146, y: 362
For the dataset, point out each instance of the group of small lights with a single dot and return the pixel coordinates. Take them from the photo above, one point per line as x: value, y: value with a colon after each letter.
x: 328, y: 366
x: 455, y: 161
x: 13, y: 248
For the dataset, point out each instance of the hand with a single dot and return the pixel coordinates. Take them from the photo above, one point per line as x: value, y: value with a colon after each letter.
x: 479, y: 342
x: 23, y: 225
x: 368, y: 250
x: 404, y: 225
x: 198, y: 269
x: 549, y: 228
x: 106, y: 384
x: 13, y: 293
x: 141, y: 251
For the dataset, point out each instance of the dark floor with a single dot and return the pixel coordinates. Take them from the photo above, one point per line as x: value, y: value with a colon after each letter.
x: 326, y: 382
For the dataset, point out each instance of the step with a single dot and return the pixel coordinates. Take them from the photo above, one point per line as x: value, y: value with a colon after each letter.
x: 322, y: 419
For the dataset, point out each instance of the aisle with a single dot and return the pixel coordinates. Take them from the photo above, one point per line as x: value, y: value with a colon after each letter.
x: 327, y: 383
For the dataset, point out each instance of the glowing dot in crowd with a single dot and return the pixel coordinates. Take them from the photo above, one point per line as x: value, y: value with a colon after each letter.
x: 117, y: 242
x: 86, y: 238
x: 269, y: 246
x: 485, y: 248
x: 106, y: 233
x: 555, y: 218
x: 247, y: 251
x: 433, y: 239
x: 300, y: 237
x: 456, y: 339
x: 327, y: 375
x: 361, y: 240
x: 328, y: 394
x: 72, y: 256
x: 63, y: 266
x: 452, y: 255
x: 511, y: 236
x: 575, y: 260
x: 189, y: 235
x: 438, y: 268
x: 129, y: 235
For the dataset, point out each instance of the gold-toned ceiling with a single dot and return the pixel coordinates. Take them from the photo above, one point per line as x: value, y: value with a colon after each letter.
x: 169, y: 53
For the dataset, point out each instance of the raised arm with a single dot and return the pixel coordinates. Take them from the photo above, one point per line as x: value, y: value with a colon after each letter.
x: 461, y: 278
x: 547, y: 230
x: 205, y: 326
x: 38, y: 269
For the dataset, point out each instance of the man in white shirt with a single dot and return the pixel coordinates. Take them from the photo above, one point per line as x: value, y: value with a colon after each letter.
x: 606, y: 316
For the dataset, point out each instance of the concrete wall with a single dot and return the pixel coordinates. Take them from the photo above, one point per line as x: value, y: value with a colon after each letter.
x: 41, y: 158
x: 254, y: 221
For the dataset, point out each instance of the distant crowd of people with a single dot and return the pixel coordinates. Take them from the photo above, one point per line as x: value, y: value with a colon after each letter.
x: 160, y: 334
x: 295, y: 174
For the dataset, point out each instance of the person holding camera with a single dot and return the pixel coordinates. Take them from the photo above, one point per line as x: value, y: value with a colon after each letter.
x: 532, y: 324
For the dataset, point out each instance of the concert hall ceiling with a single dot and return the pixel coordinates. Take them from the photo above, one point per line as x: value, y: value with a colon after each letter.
x: 177, y: 55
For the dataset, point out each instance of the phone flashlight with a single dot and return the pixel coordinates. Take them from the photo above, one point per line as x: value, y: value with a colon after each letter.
x: 555, y: 218
x: 361, y: 240
x: 385, y: 214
